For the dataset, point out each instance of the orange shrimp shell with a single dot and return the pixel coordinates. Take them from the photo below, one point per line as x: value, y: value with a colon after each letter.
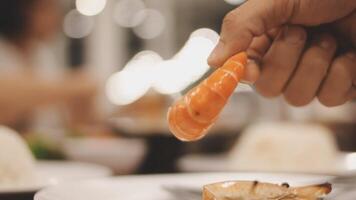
x: 191, y: 117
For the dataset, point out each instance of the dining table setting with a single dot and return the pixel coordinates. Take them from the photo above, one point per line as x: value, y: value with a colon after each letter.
x: 177, y: 100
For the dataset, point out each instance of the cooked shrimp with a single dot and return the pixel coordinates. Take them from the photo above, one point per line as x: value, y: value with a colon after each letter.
x: 191, y: 116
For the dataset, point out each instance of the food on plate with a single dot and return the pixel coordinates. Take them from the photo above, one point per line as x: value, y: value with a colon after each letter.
x: 17, y: 165
x: 254, y: 190
x: 191, y: 116
x: 291, y: 147
x: 43, y: 147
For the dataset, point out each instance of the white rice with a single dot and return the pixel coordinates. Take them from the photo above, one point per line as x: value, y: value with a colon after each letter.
x: 286, y: 147
x: 17, y: 164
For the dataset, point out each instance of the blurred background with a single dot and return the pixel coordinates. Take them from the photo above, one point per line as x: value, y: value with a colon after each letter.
x: 91, y: 80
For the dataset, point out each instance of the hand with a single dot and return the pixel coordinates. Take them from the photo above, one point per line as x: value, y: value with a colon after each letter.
x: 301, y: 71
x: 286, y: 65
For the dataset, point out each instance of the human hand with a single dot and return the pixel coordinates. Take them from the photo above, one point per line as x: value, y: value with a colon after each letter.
x: 285, y: 65
x: 302, y: 71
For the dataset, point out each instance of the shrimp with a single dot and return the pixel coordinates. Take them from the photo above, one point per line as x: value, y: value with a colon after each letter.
x: 243, y: 190
x: 191, y: 116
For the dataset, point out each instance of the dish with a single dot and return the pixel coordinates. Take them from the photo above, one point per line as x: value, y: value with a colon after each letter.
x: 55, y: 172
x: 152, y: 186
x: 237, y: 190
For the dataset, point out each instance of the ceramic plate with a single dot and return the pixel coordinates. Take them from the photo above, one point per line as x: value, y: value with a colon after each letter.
x: 152, y: 187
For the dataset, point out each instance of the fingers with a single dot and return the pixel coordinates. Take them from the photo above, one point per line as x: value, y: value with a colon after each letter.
x: 254, y: 19
x: 280, y: 61
x: 315, y: 12
x: 313, y: 67
x: 258, y: 47
x: 250, y: 20
x: 252, y: 72
x: 255, y: 53
x: 339, y: 86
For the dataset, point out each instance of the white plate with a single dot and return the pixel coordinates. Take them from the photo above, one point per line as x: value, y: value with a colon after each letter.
x: 346, y: 164
x: 54, y: 172
x: 150, y: 187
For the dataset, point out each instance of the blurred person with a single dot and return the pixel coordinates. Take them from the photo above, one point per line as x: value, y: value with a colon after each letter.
x: 32, y: 84
x: 301, y: 48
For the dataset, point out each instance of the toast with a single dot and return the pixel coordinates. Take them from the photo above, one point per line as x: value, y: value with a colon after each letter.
x: 254, y: 190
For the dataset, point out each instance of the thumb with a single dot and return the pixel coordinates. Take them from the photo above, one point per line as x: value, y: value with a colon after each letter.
x: 256, y: 17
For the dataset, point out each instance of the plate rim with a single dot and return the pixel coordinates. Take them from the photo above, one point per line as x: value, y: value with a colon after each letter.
x: 40, y: 195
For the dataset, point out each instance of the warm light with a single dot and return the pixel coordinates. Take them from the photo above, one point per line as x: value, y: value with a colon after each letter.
x: 134, y: 80
x: 90, y: 7
x: 152, y: 25
x: 235, y: 2
x: 188, y: 65
x: 126, y: 87
x: 206, y: 33
x: 76, y: 25
x: 147, y: 70
x: 170, y: 77
x: 126, y: 12
x: 150, y: 57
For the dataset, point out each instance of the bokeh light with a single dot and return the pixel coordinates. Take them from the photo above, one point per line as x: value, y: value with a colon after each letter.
x: 206, y: 33
x: 90, y: 7
x: 76, y: 25
x: 188, y: 65
x: 169, y: 77
x: 147, y: 70
x: 150, y: 57
x: 134, y: 80
x: 126, y: 12
x: 126, y: 86
x: 152, y: 25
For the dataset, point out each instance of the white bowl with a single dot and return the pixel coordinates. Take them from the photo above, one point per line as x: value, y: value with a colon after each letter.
x: 122, y: 155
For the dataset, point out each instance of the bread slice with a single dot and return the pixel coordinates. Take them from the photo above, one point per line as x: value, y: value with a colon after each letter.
x: 254, y: 190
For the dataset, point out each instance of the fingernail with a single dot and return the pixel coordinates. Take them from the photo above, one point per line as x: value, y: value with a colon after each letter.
x: 251, y: 72
x: 325, y: 42
x: 293, y: 34
x: 216, y: 53
x: 253, y: 61
x: 246, y: 81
